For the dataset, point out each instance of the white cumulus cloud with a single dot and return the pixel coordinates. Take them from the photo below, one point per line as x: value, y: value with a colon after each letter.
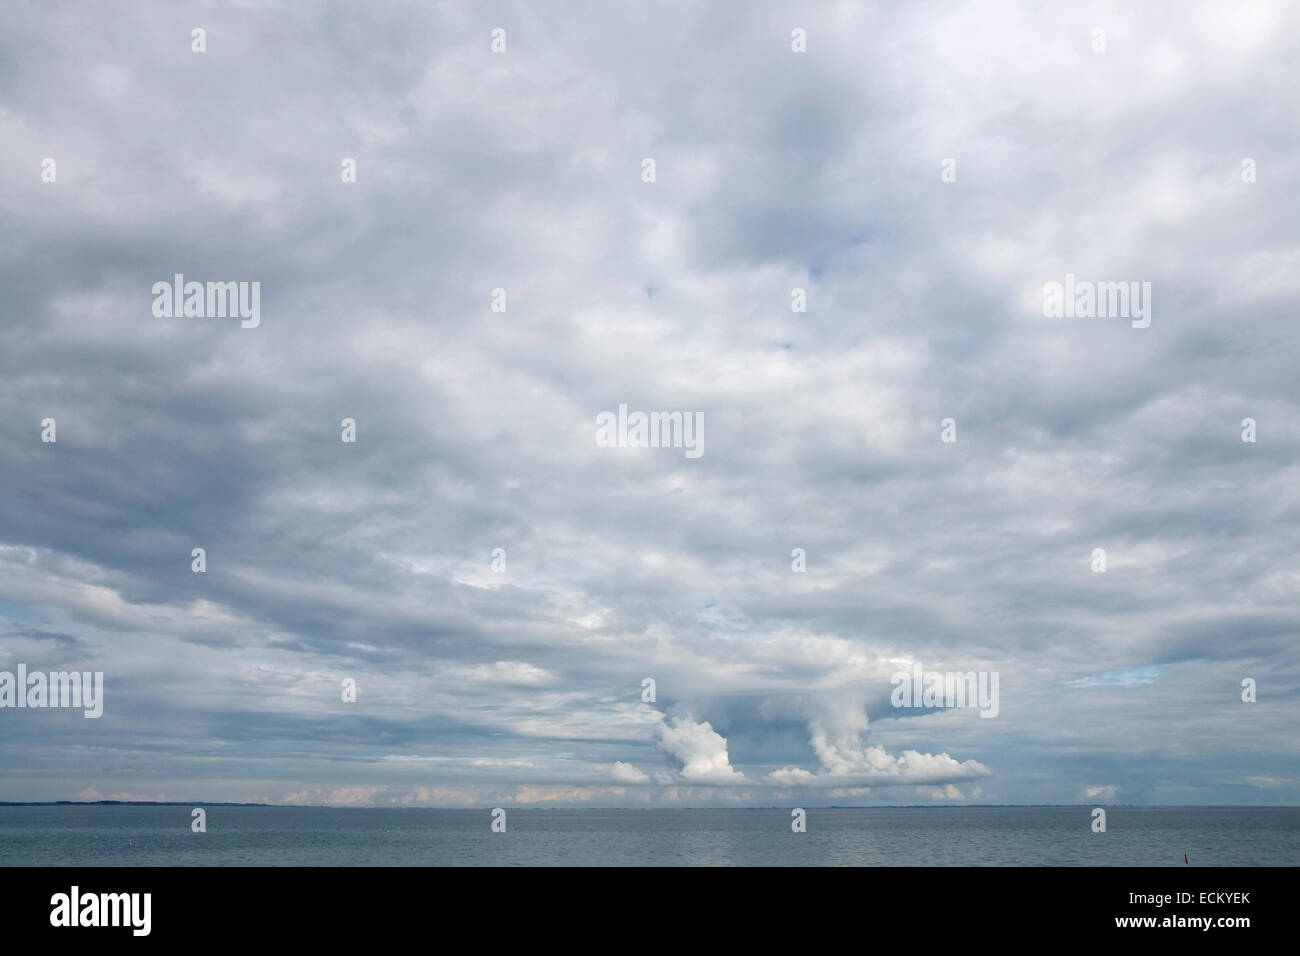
x: 701, y: 750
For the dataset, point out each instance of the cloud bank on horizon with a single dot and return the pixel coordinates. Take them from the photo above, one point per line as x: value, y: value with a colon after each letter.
x: 836, y: 264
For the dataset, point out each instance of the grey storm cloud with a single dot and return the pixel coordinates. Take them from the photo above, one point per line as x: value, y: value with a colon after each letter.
x: 775, y: 171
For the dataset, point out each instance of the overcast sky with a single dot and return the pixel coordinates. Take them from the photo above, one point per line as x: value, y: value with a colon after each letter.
x: 774, y: 170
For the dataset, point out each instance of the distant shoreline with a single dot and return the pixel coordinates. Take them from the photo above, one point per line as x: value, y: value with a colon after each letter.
x: 910, y: 806
x: 134, y: 803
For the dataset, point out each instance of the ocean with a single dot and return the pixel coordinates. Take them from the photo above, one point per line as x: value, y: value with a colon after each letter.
x: 126, y: 835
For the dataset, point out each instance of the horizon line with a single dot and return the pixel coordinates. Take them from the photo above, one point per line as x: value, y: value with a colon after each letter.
x: 832, y: 806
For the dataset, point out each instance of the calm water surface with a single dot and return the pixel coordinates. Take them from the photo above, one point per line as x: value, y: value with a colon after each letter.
x: 964, y: 836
